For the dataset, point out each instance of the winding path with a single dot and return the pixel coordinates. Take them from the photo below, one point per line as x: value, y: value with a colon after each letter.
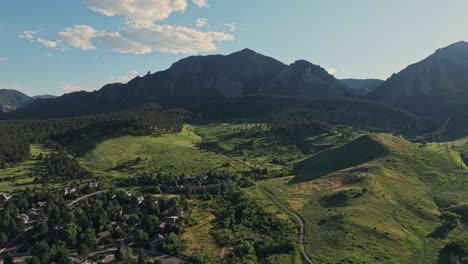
x: 300, y: 219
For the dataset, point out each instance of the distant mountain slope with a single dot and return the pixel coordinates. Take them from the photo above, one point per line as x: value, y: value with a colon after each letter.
x: 340, y: 110
x: 12, y: 99
x: 362, y: 86
x: 195, y: 80
x: 303, y: 78
x: 435, y: 89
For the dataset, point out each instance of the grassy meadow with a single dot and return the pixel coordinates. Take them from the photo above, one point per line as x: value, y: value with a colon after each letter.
x: 21, y: 175
x: 377, y: 208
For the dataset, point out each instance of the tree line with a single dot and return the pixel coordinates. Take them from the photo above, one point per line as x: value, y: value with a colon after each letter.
x: 16, y: 136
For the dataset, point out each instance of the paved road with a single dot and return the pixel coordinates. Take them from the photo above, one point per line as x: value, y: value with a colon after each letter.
x: 302, y: 236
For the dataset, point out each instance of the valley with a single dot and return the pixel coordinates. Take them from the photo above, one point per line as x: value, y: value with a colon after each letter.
x: 238, y: 159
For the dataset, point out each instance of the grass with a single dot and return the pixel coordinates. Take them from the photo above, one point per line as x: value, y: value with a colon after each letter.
x: 390, y: 222
x: 21, y: 176
x: 247, y: 141
x: 170, y: 154
x: 197, y: 237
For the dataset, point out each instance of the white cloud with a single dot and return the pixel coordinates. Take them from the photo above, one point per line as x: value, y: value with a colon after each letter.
x: 79, y: 36
x: 138, y: 11
x: 117, y: 43
x: 231, y: 26
x: 163, y: 38
x: 48, y: 43
x: 3, y: 59
x: 201, y: 3
x: 71, y: 87
x: 332, y: 71
x: 126, y: 78
x: 202, y: 22
x: 29, y: 35
x: 141, y: 34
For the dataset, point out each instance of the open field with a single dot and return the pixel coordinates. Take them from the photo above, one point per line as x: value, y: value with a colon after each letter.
x: 198, y: 238
x: 20, y: 176
x: 168, y: 154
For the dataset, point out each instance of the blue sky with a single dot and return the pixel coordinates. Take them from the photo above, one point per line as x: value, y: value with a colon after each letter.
x: 57, y: 46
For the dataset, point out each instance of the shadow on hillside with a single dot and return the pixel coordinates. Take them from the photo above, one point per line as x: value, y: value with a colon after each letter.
x: 357, y: 152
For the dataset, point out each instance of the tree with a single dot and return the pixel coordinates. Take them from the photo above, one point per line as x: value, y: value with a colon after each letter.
x: 244, y: 253
x: 450, y: 219
x: 41, y: 226
x: 151, y: 224
x: 141, y: 236
x: 141, y: 257
x: 3, y: 238
x: 83, y: 251
x: 157, y: 190
x: 8, y: 259
x: 123, y: 253
x: 70, y: 232
x: 32, y: 260
x: 41, y: 250
x: 89, y: 237
x: 60, y: 254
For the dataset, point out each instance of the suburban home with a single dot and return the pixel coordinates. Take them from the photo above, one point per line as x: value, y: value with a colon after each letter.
x: 25, y: 218
x: 34, y: 213
x: 140, y: 199
x: 102, y: 236
x: 69, y: 190
x: 158, y: 239
x: 4, y: 197
x: 170, y: 219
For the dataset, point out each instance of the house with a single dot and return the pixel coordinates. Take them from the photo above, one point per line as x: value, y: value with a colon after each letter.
x: 125, y: 217
x: 90, y: 185
x: 175, y: 189
x: 213, y: 187
x: 34, y: 213
x: 202, y: 177
x: 102, y: 236
x: 69, y: 190
x: 140, y: 199
x: 4, y: 197
x: 158, y: 239
x: 175, y: 211
x: 25, y: 218
x: 170, y: 219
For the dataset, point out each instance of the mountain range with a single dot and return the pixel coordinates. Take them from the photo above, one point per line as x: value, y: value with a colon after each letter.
x: 11, y: 100
x: 435, y: 89
x: 199, y: 79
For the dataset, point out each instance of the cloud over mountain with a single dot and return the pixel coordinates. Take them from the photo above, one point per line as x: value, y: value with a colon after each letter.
x: 142, y: 33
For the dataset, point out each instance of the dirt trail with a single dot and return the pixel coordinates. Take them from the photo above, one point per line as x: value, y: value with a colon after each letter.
x: 302, y: 234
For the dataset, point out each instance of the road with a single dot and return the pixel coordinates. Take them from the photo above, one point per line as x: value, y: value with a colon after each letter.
x: 302, y: 224
x: 85, y: 197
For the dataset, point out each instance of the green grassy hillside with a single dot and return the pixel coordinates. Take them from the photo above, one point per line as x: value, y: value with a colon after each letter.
x: 175, y: 154
x: 377, y: 199
x: 22, y: 175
